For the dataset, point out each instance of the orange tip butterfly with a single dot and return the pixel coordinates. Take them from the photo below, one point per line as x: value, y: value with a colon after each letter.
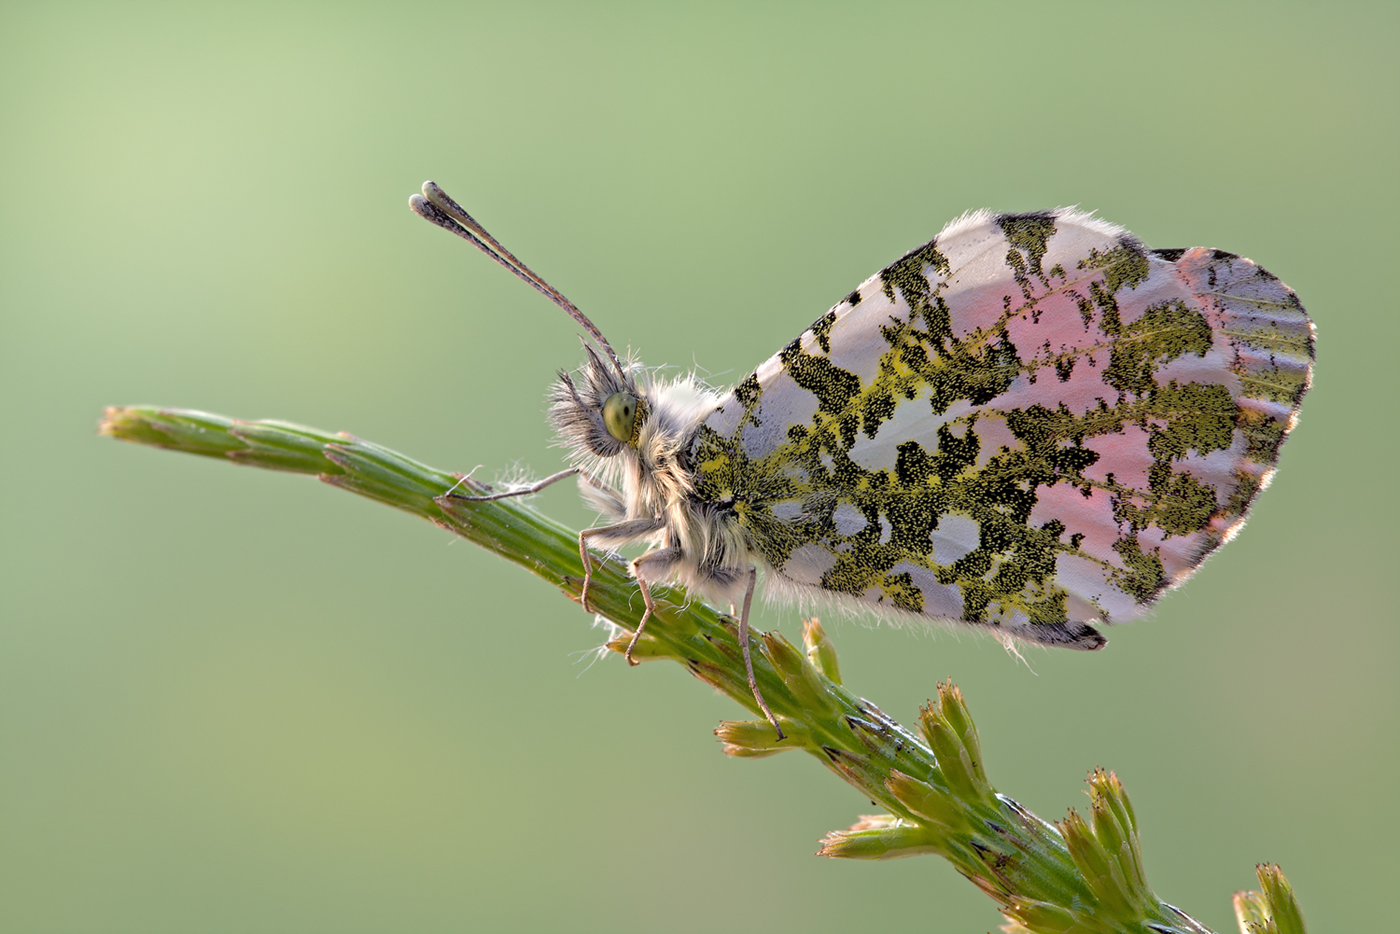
x: 1031, y: 424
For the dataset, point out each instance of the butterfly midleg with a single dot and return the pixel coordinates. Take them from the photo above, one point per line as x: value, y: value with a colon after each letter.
x: 622, y: 531
x: 748, y: 658
x: 657, y: 565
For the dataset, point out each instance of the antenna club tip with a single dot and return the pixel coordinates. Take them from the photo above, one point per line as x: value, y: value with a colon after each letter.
x: 418, y: 205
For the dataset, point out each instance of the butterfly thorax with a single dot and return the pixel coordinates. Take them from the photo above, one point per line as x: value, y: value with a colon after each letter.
x: 650, y: 477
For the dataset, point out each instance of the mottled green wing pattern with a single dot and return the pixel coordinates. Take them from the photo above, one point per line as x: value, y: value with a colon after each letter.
x: 1032, y: 422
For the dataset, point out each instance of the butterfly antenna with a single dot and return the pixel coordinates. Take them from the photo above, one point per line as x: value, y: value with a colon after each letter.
x: 437, y: 206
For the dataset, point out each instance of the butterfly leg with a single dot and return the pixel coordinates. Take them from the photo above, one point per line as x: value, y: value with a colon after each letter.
x: 524, y: 491
x: 621, y: 532
x: 587, y: 568
x: 654, y: 565
x: 748, y: 657
x: 646, y: 615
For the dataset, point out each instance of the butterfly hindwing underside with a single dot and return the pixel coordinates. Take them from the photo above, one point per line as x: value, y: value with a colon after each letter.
x: 1030, y: 423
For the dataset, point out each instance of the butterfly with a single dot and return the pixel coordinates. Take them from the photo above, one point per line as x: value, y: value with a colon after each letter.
x: 1032, y: 423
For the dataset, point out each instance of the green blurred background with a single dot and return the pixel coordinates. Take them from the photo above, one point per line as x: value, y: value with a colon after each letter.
x: 239, y: 701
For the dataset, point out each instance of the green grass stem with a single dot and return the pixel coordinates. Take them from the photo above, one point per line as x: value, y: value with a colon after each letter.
x: 1077, y: 875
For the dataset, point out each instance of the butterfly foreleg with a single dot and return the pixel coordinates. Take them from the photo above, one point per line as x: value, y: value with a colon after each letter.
x: 621, y: 532
x: 523, y: 491
x: 748, y: 657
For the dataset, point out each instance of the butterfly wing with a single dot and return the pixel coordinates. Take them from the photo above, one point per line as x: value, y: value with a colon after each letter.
x: 1032, y: 422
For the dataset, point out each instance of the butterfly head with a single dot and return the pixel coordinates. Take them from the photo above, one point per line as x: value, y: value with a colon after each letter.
x: 599, y: 409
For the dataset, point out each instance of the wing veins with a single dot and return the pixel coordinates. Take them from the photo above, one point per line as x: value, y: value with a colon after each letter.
x: 1248, y: 299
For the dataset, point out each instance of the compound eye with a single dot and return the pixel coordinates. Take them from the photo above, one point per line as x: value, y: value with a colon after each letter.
x: 620, y: 415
